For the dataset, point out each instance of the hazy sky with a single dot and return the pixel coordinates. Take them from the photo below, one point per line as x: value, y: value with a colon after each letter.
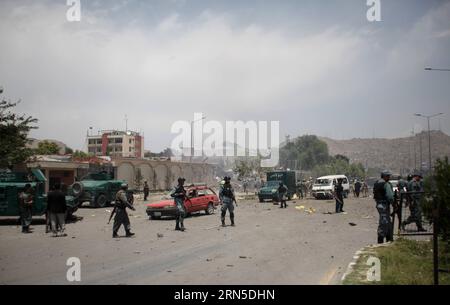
x: 316, y: 66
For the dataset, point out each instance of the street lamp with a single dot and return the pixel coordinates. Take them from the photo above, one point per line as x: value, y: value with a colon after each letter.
x: 428, y: 117
x: 192, y: 137
x: 433, y: 69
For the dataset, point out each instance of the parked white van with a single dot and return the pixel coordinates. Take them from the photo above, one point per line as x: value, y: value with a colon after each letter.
x: 324, y: 186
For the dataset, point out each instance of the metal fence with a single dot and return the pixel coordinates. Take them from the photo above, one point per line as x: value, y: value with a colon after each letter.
x: 412, y: 223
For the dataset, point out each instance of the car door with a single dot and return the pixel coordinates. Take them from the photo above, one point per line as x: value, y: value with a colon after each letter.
x: 191, y: 204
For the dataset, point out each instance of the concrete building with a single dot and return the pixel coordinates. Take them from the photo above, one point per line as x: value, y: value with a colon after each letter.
x: 117, y: 144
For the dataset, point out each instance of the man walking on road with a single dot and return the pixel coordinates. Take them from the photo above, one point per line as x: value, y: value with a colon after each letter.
x: 121, y: 217
x: 227, y: 198
x: 384, y: 198
x: 179, y: 194
x: 339, y: 196
x: 282, y: 190
x: 56, y: 208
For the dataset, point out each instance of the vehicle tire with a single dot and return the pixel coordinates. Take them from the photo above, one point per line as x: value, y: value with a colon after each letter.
x: 261, y: 200
x: 210, y: 209
x: 77, y: 189
x: 101, y: 201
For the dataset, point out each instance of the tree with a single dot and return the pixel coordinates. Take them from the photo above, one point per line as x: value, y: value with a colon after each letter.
x: 80, y: 155
x: 14, y: 131
x: 69, y: 150
x: 308, y: 151
x: 437, y: 190
x: 47, y: 148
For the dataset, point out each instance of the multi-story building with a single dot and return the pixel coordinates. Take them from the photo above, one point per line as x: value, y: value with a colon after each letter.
x: 113, y: 143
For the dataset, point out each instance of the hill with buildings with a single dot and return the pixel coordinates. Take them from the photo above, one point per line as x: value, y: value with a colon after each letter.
x: 395, y: 154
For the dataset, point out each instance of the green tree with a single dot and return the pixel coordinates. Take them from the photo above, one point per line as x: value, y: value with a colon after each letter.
x: 47, y: 148
x: 80, y: 155
x: 14, y: 131
x: 307, y: 150
x: 69, y: 150
x: 437, y: 190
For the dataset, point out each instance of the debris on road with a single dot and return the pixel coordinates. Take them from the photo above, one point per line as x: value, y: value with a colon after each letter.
x: 243, y: 257
x: 159, y: 235
x: 352, y: 224
x: 300, y: 207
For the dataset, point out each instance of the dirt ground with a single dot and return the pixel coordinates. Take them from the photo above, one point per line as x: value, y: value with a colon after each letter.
x: 269, y: 245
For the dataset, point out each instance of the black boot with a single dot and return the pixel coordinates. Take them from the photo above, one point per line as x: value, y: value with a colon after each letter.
x: 232, y: 219
x: 222, y: 217
x: 380, y: 239
x: 129, y: 234
x: 115, y: 235
x: 177, y: 225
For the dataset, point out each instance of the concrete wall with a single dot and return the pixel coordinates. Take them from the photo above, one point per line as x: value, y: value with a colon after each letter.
x: 163, y: 175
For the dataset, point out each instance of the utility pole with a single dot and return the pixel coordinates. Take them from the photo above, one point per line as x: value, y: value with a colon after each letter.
x: 428, y: 117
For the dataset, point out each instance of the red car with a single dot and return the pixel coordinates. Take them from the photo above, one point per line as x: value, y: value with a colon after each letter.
x: 201, y: 198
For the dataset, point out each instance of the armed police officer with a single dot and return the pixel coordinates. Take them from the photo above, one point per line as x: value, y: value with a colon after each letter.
x: 227, y: 198
x: 282, y: 190
x: 121, y: 217
x: 416, y: 188
x: 179, y: 195
x: 339, y: 196
x: 384, y: 198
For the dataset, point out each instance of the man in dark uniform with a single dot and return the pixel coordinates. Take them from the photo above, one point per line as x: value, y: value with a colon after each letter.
x: 179, y: 195
x: 358, y: 186
x: 227, y: 198
x: 282, y: 190
x: 26, y: 208
x: 146, y: 190
x: 121, y: 217
x: 415, y: 185
x: 384, y: 198
x: 339, y: 196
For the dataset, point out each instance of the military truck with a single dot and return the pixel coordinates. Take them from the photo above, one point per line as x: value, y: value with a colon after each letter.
x: 12, y: 183
x: 269, y: 190
x: 99, y: 189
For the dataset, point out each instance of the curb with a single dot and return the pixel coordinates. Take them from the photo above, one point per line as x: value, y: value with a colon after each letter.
x: 357, y: 255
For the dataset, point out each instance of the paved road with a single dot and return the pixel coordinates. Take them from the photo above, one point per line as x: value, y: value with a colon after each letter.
x: 268, y: 246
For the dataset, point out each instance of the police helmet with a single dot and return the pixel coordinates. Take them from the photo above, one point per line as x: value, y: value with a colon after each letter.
x: 386, y: 173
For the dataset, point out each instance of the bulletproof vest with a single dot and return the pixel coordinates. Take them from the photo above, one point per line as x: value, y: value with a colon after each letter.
x: 227, y: 192
x: 379, y: 192
x: 180, y: 192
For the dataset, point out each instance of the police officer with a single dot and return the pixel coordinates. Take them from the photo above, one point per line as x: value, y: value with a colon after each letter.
x: 282, y: 190
x: 121, y: 217
x: 384, y: 197
x: 415, y: 185
x: 179, y: 195
x: 339, y: 196
x: 227, y: 198
x: 146, y: 190
x: 26, y: 207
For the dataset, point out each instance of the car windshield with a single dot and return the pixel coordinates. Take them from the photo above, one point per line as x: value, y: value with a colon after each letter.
x: 323, y: 182
x: 273, y: 183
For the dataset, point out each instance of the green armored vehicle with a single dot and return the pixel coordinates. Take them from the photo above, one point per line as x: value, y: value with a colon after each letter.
x: 269, y: 191
x: 12, y: 183
x: 99, y: 189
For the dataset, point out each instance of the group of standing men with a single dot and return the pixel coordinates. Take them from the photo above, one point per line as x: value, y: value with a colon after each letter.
x: 55, y: 214
x: 384, y: 196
